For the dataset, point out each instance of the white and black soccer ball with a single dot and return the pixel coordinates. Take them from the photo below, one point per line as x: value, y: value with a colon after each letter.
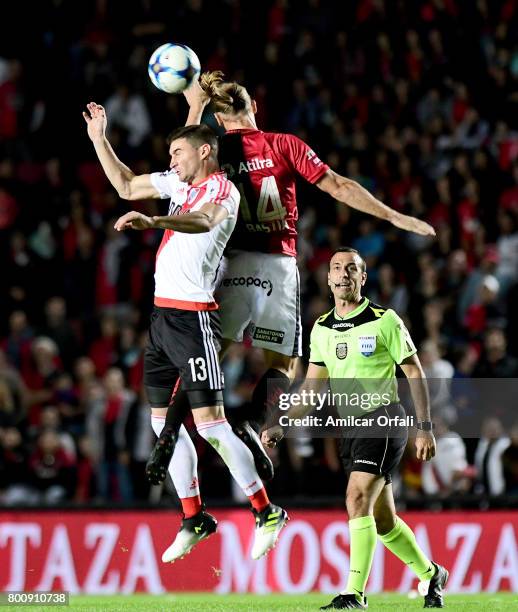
x: 173, y: 67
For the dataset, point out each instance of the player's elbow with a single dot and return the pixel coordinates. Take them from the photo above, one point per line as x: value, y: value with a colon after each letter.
x: 338, y: 187
x: 213, y: 219
x: 204, y: 224
x: 125, y: 192
x: 127, y: 188
x: 348, y: 190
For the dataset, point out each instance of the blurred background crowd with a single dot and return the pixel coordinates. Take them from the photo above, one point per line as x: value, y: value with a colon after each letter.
x: 417, y: 101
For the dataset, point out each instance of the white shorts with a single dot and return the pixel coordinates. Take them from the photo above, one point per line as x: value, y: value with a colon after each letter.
x: 261, y: 292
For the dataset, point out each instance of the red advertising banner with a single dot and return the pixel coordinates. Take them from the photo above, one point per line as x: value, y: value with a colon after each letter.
x: 119, y: 552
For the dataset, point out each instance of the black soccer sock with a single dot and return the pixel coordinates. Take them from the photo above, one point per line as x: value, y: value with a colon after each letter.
x: 265, y: 399
x: 178, y: 409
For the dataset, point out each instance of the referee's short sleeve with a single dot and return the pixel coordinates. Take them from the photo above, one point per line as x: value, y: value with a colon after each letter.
x: 315, y: 355
x: 396, y: 337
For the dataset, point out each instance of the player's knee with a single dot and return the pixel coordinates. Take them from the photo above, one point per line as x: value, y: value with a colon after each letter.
x: 207, y: 414
x: 161, y: 412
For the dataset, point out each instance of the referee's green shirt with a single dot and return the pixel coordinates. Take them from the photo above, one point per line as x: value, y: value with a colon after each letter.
x: 365, y: 344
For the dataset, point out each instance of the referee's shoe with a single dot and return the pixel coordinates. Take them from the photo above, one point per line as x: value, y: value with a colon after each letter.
x: 434, y: 599
x: 192, y: 531
x: 349, y: 601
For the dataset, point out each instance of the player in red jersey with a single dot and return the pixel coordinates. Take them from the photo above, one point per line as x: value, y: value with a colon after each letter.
x: 259, y: 288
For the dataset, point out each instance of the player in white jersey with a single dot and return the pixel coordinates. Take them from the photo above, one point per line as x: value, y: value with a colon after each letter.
x: 184, y: 336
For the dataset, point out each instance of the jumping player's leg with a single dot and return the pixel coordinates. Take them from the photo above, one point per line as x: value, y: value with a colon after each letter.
x: 161, y: 454
x: 161, y: 380
x: 263, y: 290
x: 212, y: 425
x: 179, y: 407
x: 266, y: 289
x: 275, y: 381
x: 166, y: 351
x: 183, y: 467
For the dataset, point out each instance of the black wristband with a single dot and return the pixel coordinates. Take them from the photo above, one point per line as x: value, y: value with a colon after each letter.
x: 425, y: 425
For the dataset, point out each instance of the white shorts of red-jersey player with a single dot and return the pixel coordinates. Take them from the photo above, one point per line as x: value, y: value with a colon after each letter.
x: 187, y: 264
x: 260, y: 293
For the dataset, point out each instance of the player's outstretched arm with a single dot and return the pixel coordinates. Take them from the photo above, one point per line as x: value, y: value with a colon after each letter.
x: 425, y: 441
x: 197, y: 222
x: 128, y: 185
x: 354, y: 195
x: 197, y: 100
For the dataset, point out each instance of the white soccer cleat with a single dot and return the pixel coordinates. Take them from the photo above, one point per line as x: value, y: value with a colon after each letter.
x: 268, y: 525
x: 193, y: 530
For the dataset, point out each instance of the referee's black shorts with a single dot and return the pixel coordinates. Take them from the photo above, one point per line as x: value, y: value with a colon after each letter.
x: 375, y: 449
x: 183, y: 345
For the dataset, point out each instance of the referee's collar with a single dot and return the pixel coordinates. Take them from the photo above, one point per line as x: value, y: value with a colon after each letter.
x: 361, y: 307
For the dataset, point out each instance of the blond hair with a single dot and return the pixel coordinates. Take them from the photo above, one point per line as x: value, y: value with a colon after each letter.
x: 228, y: 98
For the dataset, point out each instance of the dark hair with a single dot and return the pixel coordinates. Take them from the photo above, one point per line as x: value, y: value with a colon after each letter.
x: 196, y: 135
x: 346, y: 249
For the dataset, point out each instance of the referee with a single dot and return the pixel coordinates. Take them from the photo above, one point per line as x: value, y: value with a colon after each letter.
x: 354, y: 342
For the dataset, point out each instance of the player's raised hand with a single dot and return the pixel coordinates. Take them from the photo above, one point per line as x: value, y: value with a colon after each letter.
x: 195, y: 95
x: 95, y: 118
x: 412, y: 224
x: 133, y: 220
x: 425, y: 445
x: 272, y: 435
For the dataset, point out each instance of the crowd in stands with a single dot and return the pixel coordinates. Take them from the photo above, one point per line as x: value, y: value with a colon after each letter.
x: 414, y: 100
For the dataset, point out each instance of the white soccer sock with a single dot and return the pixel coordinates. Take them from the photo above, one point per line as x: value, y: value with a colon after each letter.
x: 184, y: 463
x: 234, y: 453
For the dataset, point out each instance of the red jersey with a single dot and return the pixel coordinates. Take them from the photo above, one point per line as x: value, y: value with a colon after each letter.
x: 264, y: 166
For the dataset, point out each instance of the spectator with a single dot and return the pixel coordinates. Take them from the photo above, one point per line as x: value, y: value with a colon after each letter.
x: 50, y: 420
x: 507, y: 246
x: 108, y: 409
x: 58, y: 328
x: 85, y: 489
x: 495, y: 361
x: 439, y: 373
x: 52, y: 469
x: 390, y: 294
x: 448, y: 472
x: 14, y: 470
x: 510, y: 463
x: 488, y: 457
x: 128, y: 112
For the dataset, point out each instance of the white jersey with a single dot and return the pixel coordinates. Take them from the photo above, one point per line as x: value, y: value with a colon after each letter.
x: 186, y: 264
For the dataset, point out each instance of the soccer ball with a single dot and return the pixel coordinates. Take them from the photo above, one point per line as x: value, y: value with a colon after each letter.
x: 173, y: 67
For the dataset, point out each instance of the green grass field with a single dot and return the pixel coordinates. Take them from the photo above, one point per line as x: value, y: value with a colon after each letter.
x: 197, y: 602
